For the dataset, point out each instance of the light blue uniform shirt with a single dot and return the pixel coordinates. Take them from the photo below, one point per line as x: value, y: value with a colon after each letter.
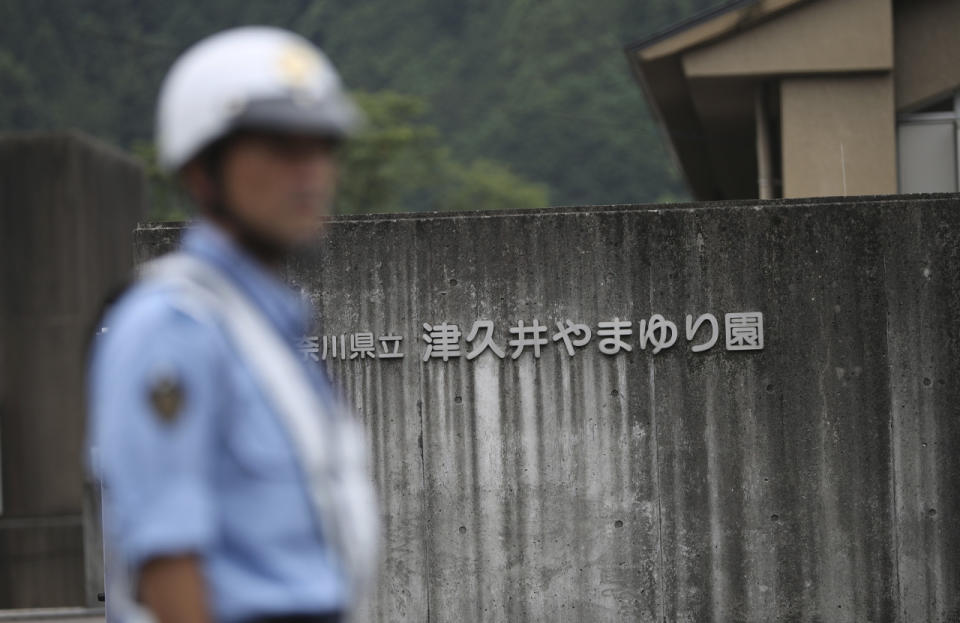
x: 217, y: 476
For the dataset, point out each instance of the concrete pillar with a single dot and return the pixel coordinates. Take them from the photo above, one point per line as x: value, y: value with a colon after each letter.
x: 838, y: 136
x: 764, y: 157
x: 68, y: 205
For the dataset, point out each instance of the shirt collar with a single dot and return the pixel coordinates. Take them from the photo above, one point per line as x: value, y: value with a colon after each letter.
x: 282, y: 305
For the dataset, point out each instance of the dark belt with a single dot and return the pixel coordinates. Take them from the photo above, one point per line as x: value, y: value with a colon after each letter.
x: 335, y: 617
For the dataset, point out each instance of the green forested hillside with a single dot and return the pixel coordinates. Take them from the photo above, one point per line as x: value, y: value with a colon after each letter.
x: 475, y: 104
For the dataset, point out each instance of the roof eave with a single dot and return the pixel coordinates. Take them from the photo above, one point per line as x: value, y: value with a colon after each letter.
x: 707, y: 26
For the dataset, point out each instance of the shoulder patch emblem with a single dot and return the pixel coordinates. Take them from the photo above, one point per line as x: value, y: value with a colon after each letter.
x: 167, y: 398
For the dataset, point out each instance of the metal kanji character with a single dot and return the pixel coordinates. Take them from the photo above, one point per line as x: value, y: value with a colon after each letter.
x: 528, y: 336
x: 333, y: 346
x: 309, y: 347
x: 361, y: 345
x: 694, y: 325
x: 613, y: 332
x: 387, y: 353
x: 744, y: 331
x: 443, y: 341
x: 659, y: 332
x: 580, y: 331
x: 487, y: 342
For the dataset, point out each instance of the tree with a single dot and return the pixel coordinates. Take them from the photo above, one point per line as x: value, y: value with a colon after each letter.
x: 541, y: 89
x: 397, y: 163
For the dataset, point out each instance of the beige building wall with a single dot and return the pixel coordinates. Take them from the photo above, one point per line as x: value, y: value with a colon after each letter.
x: 852, y: 35
x: 838, y: 136
x: 927, y: 37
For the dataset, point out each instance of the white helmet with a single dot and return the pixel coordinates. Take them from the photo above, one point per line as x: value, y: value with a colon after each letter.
x: 253, y: 77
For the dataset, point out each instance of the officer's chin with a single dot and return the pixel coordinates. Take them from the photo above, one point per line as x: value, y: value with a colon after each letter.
x: 298, y: 241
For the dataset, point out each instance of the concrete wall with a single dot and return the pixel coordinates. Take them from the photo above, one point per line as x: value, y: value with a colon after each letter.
x: 67, y: 207
x: 813, y: 480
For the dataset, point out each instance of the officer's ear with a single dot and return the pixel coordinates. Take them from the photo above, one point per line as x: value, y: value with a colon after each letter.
x: 197, y: 180
x: 202, y: 177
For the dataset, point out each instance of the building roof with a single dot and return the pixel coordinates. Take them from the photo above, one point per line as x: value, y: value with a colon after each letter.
x: 676, y: 101
x: 686, y: 24
x: 711, y: 24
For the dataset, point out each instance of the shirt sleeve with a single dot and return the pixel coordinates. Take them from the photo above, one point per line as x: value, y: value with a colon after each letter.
x: 155, y: 382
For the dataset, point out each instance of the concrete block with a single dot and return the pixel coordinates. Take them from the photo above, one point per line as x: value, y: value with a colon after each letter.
x: 42, y: 562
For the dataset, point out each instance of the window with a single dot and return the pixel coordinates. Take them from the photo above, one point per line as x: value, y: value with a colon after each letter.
x: 928, y: 148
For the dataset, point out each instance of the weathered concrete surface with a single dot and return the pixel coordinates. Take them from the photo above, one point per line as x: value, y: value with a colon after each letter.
x: 815, y: 480
x: 53, y: 615
x: 68, y: 205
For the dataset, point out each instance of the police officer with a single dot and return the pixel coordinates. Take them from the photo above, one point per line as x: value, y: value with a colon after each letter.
x: 234, y: 483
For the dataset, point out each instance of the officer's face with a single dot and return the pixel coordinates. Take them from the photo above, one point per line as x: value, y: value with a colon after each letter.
x: 281, y: 184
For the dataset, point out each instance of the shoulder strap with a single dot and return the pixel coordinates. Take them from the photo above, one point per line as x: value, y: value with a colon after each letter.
x: 328, y: 444
x: 282, y: 376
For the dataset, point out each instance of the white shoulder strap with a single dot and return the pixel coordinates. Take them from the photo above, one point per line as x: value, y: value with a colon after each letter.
x: 328, y: 445
x: 261, y: 348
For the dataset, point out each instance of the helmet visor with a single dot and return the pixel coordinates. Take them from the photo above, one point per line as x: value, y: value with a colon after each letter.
x: 335, y: 116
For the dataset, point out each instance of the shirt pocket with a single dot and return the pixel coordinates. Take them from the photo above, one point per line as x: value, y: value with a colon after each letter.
x: 258, y: 442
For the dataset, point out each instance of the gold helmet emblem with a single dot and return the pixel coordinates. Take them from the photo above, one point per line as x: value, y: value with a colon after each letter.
x: 296, y: 64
